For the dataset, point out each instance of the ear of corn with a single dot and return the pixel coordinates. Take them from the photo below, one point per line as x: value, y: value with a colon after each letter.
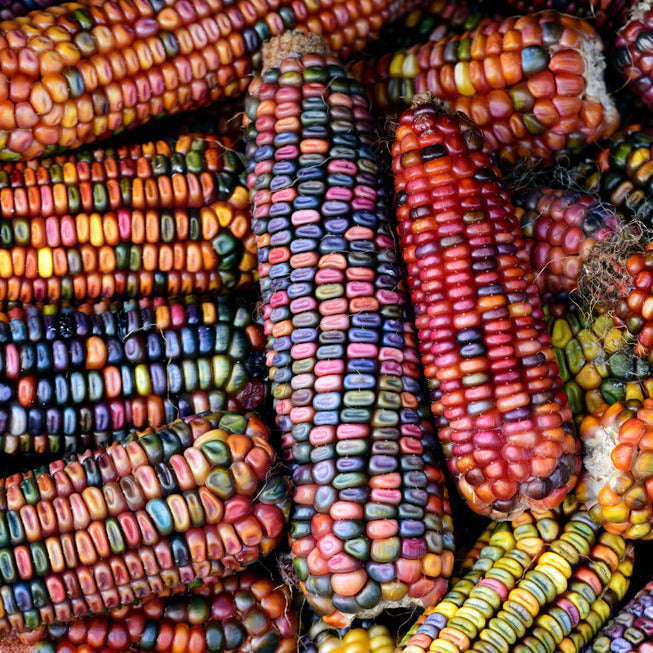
x: 542, y: 584
x: 622, y: 173
x: 524, y: 81
x: 11, y: 9
x: 596, y: 361
x: 630, y: 630
x: 371, y: 523
x: 92, y: 68
x: 74, y: 378
x: 507, y: 430
x: 633, y: 49
x: 617, y: 483
x: 161, y: 218
x: 560, y: 229
x: 243, y: 612
x: 195, y: 500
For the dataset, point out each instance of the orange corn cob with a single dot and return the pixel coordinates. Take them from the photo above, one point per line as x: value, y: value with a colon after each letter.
x: 617, y: 483
x: 508, y: 433
x: 195, y: 500
x: 533, y: 84
x: 80, y: 71
x: 243, y: 613
x: 160, y: 218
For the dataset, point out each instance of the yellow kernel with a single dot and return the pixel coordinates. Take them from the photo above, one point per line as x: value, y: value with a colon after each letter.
x: 45, y: 262
x: 463, y: 78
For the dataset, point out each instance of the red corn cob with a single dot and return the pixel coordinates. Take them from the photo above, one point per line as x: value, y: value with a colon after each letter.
x: 560, y: 229
x: 243, y: 613
x: 80, y: 71
x: 509, y: 436
x: 533, y: 84
x: 195, y: 500
x: 634, y: 49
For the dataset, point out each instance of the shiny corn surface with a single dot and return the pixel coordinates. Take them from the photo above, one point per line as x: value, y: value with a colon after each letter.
x: 371, y: 523
x: 507, y: 430
x: 525, y: 81
x: 197, y: 499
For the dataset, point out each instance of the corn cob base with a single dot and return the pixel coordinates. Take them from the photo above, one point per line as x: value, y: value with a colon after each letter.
x: 371, y: 524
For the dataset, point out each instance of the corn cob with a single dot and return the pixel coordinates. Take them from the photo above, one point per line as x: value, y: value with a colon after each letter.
x: 539, y: 586
x: 80, y: 71
x: 74, y: 378
x: 633, y: 49
x: 596, y: 361
x: 371, y: 522
x: 194, y: 500
x: 374, y: 639
x: 622, y: 173
x: 162, y: 218
x: 243, y: 613
x: 508, y: 433
x: 532, y: 84
x: 560, y: 228
x: 617, y: 484
x: 435, y: 21
x: 631, y: 629
x: 12, y: 9
x: 603, y: 14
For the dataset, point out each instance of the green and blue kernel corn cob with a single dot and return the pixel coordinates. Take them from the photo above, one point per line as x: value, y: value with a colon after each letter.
x: 371, y: 523
x: 195, y: 500
x: 71, y: 378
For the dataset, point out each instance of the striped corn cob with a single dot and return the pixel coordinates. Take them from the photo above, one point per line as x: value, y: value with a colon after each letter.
x: 560, y: 228
x: 633, y: 50
x: 371, y: 524
x: 604, y: 14
x: 243, y: 613
x: 533, y: 84
x: 596, y: 361
x: 80, y: 71
x: 631, y: 629
x: 161, y: 218
x: 541, y: 585
x: 617, y: 483
x: 435, y: 21
x: 622, y: 173
x: 74, y: 378
x: 373, y: 639
x: 507, y: 431
x: 196, y: 499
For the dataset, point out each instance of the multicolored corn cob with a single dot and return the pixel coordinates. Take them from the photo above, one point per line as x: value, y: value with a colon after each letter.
x: 371, y: 523
x: 560, y: 228
x: 437, y: 20
x: 634, y: 50
x: 603, y: 14
x: 542, y: 584
x: 617, y: 482
x: 195, y: 500
x: 596, y: 360
x: 74, y: 378
x: 533, y: 84
x: 161, y: 218
x: 243, y: 613
x: 622, y: 173
x: 631, y: 629
x: 507, y: 433
x: 80, y: 71
x: 12, y: 9
x: 374, y: 639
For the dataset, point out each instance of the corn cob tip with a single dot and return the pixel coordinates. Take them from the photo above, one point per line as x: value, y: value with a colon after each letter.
x: 294, y: 43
